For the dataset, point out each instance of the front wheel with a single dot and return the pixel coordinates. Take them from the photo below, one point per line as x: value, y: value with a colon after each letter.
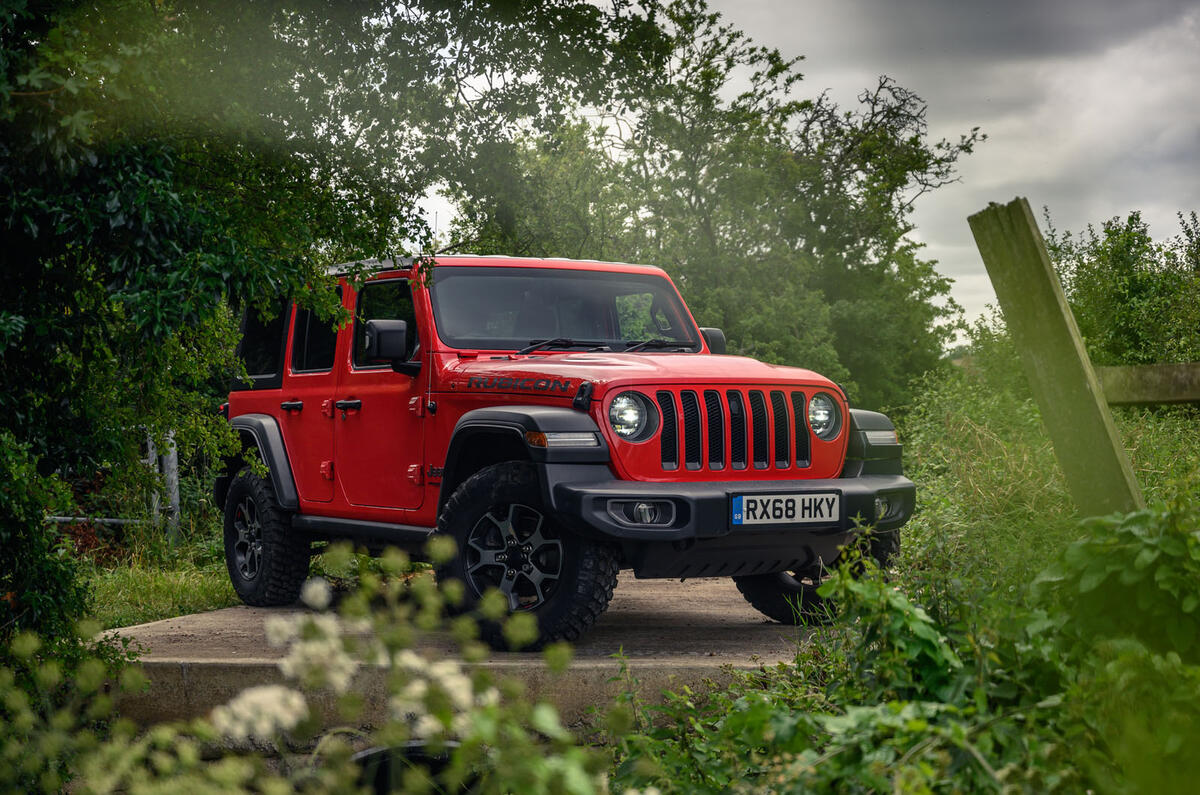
x: 790, y: 597
x: 787, y: 597
x: 507, y: 542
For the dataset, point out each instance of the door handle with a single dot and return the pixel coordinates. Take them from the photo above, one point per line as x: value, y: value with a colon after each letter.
x: 292, y: 405
x: 348, y: 405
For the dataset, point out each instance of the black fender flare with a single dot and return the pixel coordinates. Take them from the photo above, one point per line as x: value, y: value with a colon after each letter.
x: 867, y: 456
x: 513, y: 423
x: 264, y: 430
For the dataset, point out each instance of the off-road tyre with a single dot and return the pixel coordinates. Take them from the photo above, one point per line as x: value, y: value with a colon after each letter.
x: 267, y: 560
x: 885, y: 547
x: 787, y: 597
x: 508, y: 495
x: 792, y: 598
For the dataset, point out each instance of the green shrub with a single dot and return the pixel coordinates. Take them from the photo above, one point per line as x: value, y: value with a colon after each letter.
x: 39, y: 579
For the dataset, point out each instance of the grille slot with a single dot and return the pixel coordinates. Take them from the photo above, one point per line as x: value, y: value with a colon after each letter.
x: 758, y: 414
x: 669, y: 437
x: 737, y: 430
x: 691, y: 429
x: 800, y: 413
x: 716, y: 429
x: 783, y: 441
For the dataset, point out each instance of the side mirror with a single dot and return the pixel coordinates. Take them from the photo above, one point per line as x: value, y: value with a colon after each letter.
x: 388, y: 340
x: 715, y: 339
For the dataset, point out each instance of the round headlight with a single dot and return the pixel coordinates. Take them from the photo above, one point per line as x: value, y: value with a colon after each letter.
x: 824, y: 417
x: 629, y: 415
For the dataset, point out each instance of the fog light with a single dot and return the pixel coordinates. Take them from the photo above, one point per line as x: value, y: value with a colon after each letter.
x: 882, y: 507
x: 642, y: 513
x: 645, y: 512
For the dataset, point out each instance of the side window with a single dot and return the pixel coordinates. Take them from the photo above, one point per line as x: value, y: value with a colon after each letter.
x: 313, y: 342
x: 389, y: 299
x: 261, y: 348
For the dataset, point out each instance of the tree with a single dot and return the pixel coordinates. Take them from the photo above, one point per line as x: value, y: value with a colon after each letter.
x: 783, y: 220
x: 1136, y: 301
x: 163, y: 160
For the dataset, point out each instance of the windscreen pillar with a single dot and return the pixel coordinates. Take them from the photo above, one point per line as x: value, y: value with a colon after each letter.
x: 1072, y: 403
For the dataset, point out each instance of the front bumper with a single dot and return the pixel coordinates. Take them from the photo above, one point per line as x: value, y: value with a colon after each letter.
x: 702, y: 540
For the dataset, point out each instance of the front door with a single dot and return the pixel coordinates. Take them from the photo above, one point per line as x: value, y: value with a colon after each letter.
x: 378, y: 412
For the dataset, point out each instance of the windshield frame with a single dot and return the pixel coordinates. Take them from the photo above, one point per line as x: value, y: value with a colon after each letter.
x: 657, y: 283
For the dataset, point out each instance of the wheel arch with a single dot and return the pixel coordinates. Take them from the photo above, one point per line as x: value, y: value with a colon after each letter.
x: 261, y: 432
x: 493, y: 435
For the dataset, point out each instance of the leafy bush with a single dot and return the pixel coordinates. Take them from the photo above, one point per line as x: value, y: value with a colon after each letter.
x: 39, y: 586
x: 1134, y: 576
x: 1136, y: 301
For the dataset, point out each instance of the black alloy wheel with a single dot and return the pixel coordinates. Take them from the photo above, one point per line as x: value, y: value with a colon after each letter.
x: 514, y: 549
x: 509, y: 542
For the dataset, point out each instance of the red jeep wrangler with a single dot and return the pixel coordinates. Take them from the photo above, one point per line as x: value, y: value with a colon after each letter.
x: 559, y: 420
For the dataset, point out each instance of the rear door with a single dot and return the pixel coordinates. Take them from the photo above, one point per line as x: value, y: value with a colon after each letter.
x: 377, y: 412
x: 306, y: 410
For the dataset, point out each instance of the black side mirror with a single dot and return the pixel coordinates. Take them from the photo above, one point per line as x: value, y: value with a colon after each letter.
x: 388, y: 340
x: 715, y: 339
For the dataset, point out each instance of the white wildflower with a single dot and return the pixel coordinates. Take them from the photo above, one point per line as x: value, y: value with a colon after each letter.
x: 409, y: 703
x: 320, y: 661
x: 488, y: 698
x: 321, y: 625
x: 281, y: 630
x: 427, y: 727
x: 409, y: 659
x: 316, y: 593
x: 260, y: 712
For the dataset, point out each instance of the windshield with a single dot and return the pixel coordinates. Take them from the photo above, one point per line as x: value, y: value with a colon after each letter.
x: 516, y: 308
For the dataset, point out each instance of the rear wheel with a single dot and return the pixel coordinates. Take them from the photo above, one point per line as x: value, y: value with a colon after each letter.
x: 267, y: 560
x: 507, y: 542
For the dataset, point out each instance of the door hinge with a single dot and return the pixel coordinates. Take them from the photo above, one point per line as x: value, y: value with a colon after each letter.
x: 414, y: 474
x: 417, y: 406
x: 327, y: 470
x: 327, y: 408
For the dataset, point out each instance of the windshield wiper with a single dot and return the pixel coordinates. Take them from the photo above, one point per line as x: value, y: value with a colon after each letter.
x: 657, y: 343
x: 564, y: 342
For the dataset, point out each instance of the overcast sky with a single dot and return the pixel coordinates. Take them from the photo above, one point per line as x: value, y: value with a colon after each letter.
x: 1091, y: 107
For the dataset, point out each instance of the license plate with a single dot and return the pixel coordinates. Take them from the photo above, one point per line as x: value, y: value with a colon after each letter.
x: 819, y: 507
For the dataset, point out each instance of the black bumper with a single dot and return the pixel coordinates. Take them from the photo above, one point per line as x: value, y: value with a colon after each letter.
x: 702, y: 539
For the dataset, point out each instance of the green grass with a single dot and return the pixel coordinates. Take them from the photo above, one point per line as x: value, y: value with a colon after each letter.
x: 993, y: 507
x: 136, y: 576
x: 138, y: 592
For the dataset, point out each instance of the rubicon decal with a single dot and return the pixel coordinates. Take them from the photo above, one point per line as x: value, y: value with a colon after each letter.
x: 522, y: 384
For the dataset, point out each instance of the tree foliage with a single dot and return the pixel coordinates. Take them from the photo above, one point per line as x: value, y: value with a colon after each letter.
x: 160, y: 161
x: 783, y: 220
x: 1136, y: 300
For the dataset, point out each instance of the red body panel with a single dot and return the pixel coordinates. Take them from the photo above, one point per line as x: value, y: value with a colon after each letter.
x: 383, y: 454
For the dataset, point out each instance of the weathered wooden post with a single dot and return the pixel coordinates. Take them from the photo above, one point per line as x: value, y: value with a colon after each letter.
x: 1068, y: 393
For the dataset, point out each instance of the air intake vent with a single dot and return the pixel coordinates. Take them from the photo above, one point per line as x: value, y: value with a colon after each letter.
x: 783, y: 441
x: 716, y: 429
x: 737, y: 430
x: 669, y: 437
x: 691, y: 429
x: 800, y: 413
x: 758, y: 413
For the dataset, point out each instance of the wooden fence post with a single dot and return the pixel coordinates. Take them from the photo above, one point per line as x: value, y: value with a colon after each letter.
x: 1068, y: 393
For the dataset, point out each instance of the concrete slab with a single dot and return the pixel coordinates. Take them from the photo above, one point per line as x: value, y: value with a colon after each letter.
x: 672, y: 633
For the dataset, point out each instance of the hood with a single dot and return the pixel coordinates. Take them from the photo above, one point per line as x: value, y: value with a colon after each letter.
x: 563, y: 373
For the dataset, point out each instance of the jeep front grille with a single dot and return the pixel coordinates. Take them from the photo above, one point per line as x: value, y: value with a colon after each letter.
x: 736, y: 428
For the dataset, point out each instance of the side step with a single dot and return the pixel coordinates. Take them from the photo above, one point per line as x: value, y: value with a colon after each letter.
x: 404, y: 536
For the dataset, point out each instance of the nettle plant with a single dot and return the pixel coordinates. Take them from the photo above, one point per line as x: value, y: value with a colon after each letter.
x: 449, y: 725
